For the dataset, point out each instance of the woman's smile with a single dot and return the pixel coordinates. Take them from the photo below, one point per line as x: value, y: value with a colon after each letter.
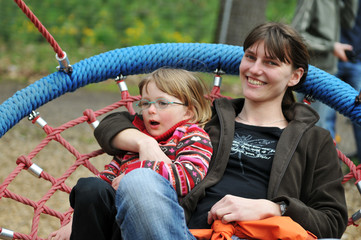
x: 254, y: 81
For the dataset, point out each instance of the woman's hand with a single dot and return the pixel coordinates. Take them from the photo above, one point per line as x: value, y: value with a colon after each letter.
x: 62, y: 233
x: 231, y: 208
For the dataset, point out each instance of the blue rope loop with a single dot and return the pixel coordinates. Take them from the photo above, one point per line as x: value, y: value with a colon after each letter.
x: 200, y: 57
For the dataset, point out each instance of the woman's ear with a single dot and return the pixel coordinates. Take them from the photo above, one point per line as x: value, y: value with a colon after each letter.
x: 296, y: 77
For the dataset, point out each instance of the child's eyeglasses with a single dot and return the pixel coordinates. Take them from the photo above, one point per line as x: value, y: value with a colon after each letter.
x: 160, y: 103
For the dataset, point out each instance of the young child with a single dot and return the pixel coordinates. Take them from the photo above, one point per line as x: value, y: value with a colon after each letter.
x: 173, y: 112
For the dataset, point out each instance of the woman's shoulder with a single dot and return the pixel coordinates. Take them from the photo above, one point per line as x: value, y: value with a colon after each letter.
x: 304, y: 118
x: 302, y: 113
x: 313, y: 134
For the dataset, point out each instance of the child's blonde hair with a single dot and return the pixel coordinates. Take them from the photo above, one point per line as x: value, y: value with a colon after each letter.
x: 185, y: 86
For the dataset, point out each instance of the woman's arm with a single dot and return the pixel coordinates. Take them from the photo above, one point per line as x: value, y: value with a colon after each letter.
x: 109, y: 127
x: 135, y: 141
x: 321, y: 206
x: 116, y: 134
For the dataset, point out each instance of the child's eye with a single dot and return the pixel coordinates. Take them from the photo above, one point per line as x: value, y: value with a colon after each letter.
x: 143, y: 103
x: 162, y: 103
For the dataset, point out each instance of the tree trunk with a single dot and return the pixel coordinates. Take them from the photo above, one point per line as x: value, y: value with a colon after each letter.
x: 236, y: 18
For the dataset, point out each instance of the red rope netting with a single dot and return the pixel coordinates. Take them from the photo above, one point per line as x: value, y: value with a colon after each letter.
x: 58, y: 184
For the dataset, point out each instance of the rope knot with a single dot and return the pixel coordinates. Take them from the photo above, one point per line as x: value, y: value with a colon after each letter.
x: 91, y: 115
x: 25, y: 160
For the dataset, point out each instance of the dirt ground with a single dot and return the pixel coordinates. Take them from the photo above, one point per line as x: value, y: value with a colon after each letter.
x: 55, y: 160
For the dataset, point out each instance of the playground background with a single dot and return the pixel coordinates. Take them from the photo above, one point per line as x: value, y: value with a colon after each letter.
x: 83, y: 31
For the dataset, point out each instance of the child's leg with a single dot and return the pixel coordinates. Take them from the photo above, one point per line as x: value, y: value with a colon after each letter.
x: 94, y: 210
x: 148, y: 208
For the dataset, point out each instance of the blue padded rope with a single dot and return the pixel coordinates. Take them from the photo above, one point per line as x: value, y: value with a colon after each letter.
x: 202, y: 57
x: 333, y: 92
x: 126, y: 61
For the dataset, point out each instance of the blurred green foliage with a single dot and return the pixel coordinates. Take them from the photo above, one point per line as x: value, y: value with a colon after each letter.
x: 280, y: 10
x: 111, y: 23
x: 86, y: 28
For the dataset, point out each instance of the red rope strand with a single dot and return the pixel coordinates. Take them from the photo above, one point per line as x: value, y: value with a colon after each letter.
x: 40, y: 27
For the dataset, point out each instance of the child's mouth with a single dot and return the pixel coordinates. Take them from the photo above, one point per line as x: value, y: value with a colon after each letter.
x: 154, y: 123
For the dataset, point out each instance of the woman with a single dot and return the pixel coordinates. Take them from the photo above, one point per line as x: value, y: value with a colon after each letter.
x: 269, y: 157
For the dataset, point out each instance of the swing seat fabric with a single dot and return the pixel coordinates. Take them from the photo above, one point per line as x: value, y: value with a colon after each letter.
x: 272, y: 228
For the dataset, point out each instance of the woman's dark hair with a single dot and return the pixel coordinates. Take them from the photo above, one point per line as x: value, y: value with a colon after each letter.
x: 282, y: 42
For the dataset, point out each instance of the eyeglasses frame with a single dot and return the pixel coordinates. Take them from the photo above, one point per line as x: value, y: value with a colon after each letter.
x: 156, y: 104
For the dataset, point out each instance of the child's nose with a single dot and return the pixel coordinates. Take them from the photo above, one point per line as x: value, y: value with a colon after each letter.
x: 152, y: 108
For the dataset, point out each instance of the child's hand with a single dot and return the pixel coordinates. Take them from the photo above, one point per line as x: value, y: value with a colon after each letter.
x: 61, y: 234
x: 149, y: 150
x: 116, y: 181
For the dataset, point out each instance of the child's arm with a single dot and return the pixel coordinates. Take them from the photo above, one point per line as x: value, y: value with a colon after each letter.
x: 190, y: 159
x: 111, y: 171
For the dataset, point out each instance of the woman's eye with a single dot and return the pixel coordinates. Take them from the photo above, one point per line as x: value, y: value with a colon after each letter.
x: 250, y: 57
x: 274, y: 63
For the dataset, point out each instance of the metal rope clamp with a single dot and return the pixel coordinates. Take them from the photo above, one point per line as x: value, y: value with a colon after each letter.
x: 35, y: 170
x: 218, y: 77
x: 94, y: 124
x: 64, y: 64
x: 308, y: 99
x: 35, y: 117
x: 121, y: 83
x: 6, y: 234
